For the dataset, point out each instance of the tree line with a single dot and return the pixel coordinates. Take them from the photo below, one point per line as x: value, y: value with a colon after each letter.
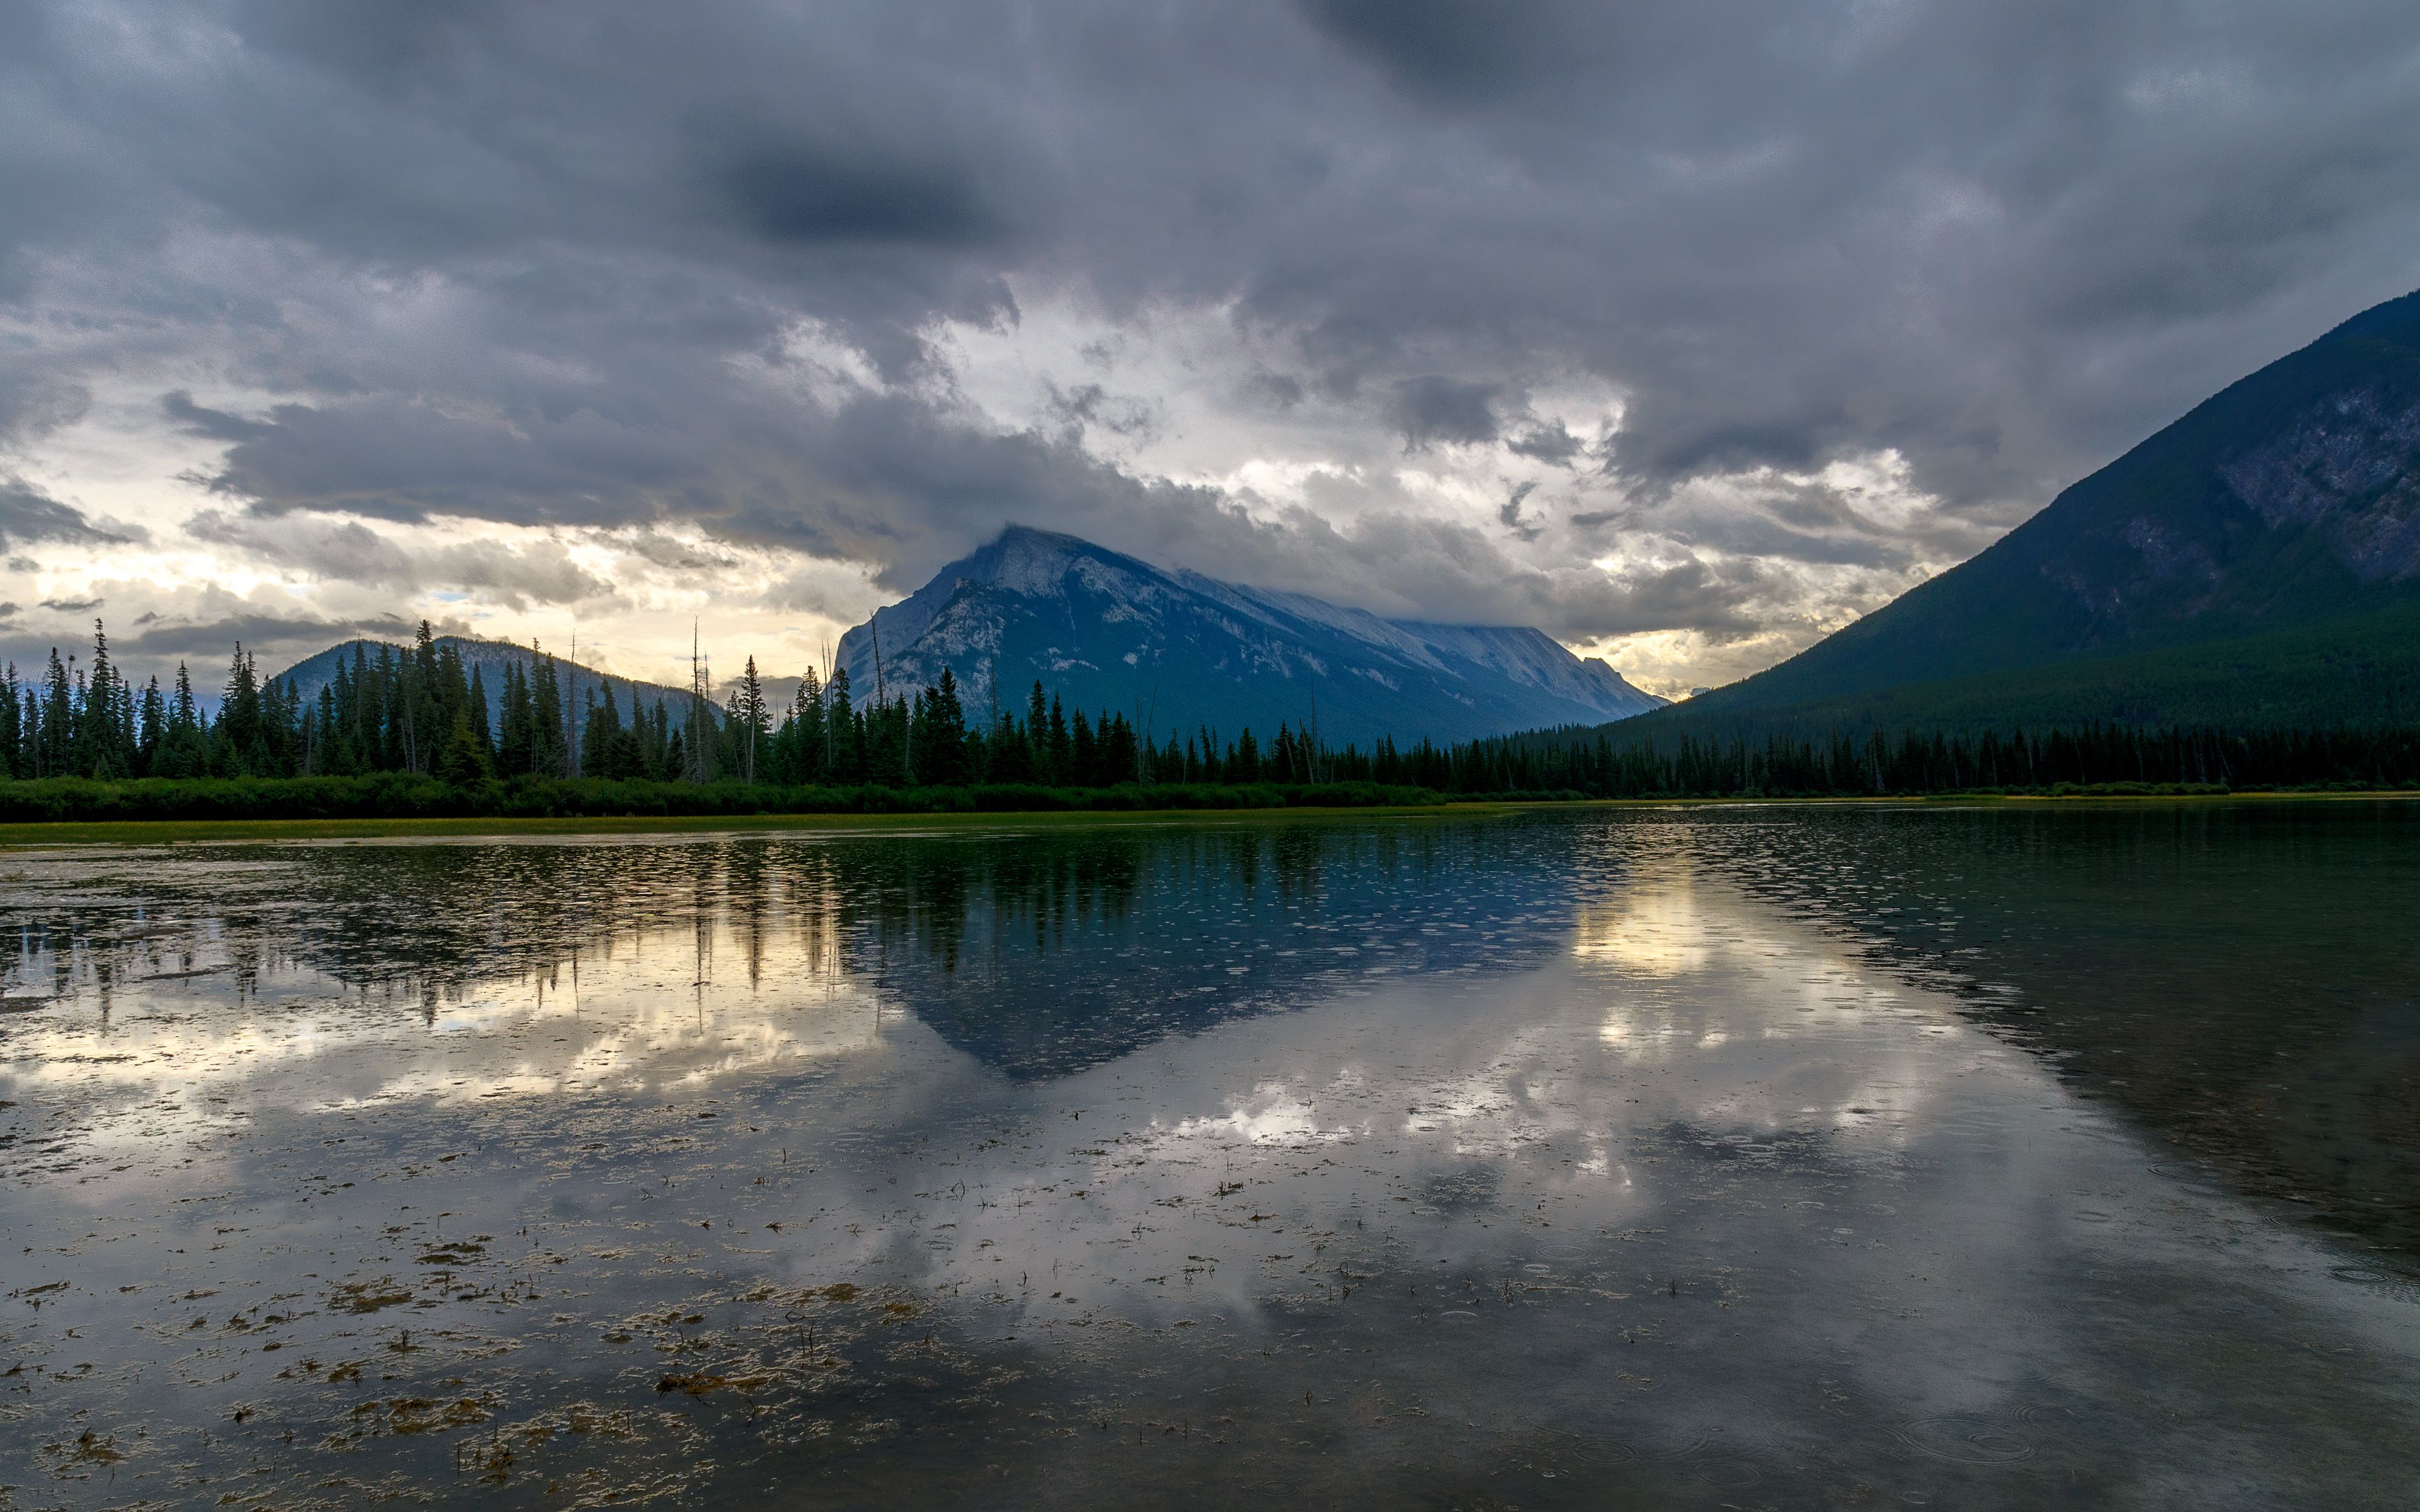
x: 418, y: 711
x: 1874, y: 762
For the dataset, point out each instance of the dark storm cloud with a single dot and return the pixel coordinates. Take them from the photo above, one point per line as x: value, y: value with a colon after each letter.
x: 786, y: 195
x: 1438, y: 409
x: 1454, y: 53
x: 212, y: 424
x: 28, y: 514
x: 538, y: 262
x: 1509, y: 514
x: 1549, y: 443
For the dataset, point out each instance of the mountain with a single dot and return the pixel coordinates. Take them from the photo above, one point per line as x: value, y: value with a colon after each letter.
x: 489, y: 658
x: 2255, y: 561
x: 1177, y: 650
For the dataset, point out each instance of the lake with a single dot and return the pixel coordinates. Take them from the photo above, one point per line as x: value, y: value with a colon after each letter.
x: 1755, y: 1156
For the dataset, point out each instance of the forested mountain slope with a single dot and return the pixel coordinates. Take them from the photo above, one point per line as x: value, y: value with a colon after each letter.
x: 2255, y: 561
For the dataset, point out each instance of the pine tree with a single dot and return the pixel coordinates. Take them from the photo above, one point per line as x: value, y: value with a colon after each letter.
x: 602, y: 728
x: 238, y: 744
x: 184, y: 750
x: 547, y: 750
x: 463, y: 760
x: 154, y: 720
x: 843, y: 733
x: 748, y: 709
x: 12, y: 728
x: 940, y: 743
x: 1062, y: 749
x: 106, y: 731
x: 518, y: 733
x: 660, y: 758
x: 798, y: 744
x: 55, y: 739
x: 478, y: 700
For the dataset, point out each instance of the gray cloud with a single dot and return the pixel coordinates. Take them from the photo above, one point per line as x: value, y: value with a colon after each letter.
x: 274, y: 641
x: 1550, y: 442
x: 519, y: 261
x: 33, y: 405
x: 1508, y: 515
x: 791, y: 195
x: 348, y: 551
x: 28, y: 514
x: 1434, y: 409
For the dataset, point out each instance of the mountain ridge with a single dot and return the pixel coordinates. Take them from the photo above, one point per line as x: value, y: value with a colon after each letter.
x: 2258, y: 558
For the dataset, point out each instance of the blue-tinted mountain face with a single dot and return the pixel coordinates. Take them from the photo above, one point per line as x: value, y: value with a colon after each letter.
x: 1177, y: 651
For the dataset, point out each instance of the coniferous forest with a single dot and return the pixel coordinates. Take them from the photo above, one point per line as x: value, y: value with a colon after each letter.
x: 403, y: 730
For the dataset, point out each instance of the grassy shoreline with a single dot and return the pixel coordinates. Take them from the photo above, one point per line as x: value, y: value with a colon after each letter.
x: 42, y: 834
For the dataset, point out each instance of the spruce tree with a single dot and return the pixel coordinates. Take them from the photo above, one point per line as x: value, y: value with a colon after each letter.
x: 478, y: 700
x: 547, y: 750
x: 462, y: 763
x: 517, y: 737
x: 55, y: 741
x: 749, y: 713
x: 601, y: 725
x: 844, y: 734
x: 940, y: 745
x: 12, y: 726
x: 154, y: 722
x: 238, y: 744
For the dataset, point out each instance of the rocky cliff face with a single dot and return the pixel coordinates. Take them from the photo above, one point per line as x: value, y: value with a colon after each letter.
x: 2348, y: 466
x: 1177, y: 650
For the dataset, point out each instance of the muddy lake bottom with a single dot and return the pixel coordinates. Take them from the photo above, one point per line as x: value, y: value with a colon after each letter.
x: 1755, y: 1157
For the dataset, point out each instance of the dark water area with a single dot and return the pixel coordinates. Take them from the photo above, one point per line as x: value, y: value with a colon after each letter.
x: 2245, y: 980
x: 1748, y: 1157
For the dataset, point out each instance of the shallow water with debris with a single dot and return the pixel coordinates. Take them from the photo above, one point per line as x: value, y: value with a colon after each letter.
x: 1753, y: 1157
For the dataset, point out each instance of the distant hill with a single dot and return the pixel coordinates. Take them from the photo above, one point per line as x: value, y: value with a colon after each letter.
x: 1177, y: 650
x: 2255, y: 562
x: 489, y: 658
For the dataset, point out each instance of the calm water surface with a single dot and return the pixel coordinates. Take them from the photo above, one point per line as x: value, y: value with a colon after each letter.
x: 1754, y: 1157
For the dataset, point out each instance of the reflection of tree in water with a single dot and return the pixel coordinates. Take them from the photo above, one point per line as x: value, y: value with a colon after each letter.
x: 1057, y: 952
x: 56, y: 942
x: 426, y: 923
x: 922, y: 899
x: 1039, y: 953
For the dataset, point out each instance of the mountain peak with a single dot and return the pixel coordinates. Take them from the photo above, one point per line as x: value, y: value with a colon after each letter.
x: 1179, y: 649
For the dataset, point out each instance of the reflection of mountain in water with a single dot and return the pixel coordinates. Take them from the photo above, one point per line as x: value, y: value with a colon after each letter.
x: 1037, y: 953
x: 1041, y: 956
x: 2239, y: 980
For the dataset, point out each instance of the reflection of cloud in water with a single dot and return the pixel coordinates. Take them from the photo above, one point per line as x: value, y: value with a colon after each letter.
x: 1693, y: 968
x: 649, y: 1010
x: 1647, y: 925
x: 1274, y: 1114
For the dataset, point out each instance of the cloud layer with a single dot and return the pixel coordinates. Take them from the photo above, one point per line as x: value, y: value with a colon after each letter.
x: 1688, y: 331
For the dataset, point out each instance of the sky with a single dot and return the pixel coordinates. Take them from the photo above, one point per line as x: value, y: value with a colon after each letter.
x: 1685, y: 331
